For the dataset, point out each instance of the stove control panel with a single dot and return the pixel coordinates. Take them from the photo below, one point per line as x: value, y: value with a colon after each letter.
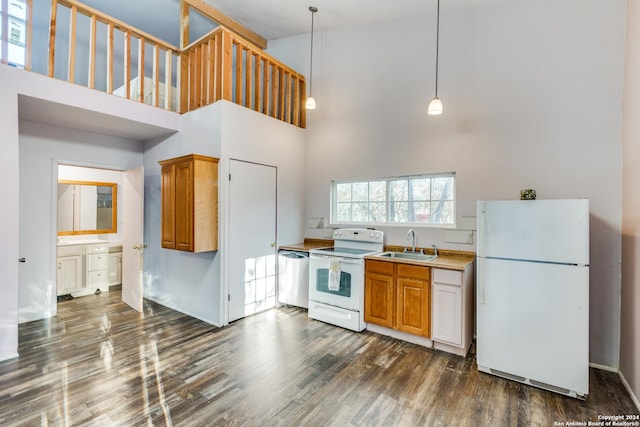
x: 358, y: 235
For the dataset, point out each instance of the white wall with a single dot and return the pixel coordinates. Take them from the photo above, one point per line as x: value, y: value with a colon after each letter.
x: 531, y: 92
x: 187, y: 282
x: 194, y: 283
x: 630, y: 310
x: 103, y: 109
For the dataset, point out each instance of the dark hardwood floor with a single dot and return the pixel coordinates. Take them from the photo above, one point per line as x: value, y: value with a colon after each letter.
x: 100, y: 363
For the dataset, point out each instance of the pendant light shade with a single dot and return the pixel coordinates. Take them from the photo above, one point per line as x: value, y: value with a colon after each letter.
x: 311, y: 102
x: 435, y: 106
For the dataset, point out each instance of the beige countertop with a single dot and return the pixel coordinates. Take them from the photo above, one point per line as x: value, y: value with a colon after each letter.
x: 307, y: 245
x: 447, y: 259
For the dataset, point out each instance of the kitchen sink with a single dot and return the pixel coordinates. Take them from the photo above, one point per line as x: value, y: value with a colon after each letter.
x: 415, y: 256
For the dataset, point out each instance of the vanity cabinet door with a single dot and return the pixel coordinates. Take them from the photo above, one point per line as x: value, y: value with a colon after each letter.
x: 69, y: 274
x: 115, y: 268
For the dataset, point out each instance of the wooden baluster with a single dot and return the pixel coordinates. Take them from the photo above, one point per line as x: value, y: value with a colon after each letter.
x: 273, y: 90
x: 248, y: 86
x: 287, y: 110
x: 183, y: 78
x: 155, y: 97
x: 281, y: 84
x: 259, y: 87
x: 301, y: 111
x: 168, y: 78
x: 227, y: 67
x: 110, y: 57
x: 211, y: 70
x: 52, y: 36
x: 91, y: 78
x: 71, y: 70
x: 266, y: 81
x: 141, y: 44
x: 127, y: 64
x: 239, y: 77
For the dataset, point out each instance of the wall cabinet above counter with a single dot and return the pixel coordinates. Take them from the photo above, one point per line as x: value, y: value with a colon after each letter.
x: 189, y: 204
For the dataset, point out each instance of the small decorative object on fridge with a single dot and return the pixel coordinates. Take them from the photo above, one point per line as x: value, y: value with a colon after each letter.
x: 528, y: 194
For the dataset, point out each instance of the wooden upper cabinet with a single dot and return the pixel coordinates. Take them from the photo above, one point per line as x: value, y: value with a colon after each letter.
x: 189, y: 187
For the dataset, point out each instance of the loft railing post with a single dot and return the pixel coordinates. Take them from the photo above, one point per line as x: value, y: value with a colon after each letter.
x: 52, y: 36
x: 227, y: 66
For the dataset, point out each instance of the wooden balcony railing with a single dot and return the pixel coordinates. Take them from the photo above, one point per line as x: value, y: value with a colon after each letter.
x: 135, y: 45
x: 220, y: 65
x: 223, y: 65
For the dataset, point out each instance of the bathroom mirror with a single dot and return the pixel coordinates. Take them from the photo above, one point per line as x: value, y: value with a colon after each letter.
x: 86, y: 207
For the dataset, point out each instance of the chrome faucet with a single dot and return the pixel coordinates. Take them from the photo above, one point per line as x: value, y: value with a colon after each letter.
x: 413, y: 240
x: 435, y: 250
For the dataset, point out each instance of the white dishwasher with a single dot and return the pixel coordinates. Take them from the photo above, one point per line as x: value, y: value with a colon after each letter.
x: 293, y: 278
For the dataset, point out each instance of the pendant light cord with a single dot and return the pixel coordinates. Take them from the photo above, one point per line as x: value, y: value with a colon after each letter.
x: 437, y: 43
x: 313, y: 12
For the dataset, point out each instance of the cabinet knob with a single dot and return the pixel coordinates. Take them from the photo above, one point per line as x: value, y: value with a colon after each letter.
x: 22, y: 260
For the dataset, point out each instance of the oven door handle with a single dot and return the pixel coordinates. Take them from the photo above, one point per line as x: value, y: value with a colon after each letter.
x: 341, y: 259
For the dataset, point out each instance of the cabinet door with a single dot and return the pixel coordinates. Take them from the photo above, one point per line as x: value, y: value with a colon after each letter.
x: 447, y: 313
x: 115, y: 269
x: 413, y: 304
x: 168, y: 206
x: 184, y: 206
x: 69, y: 276
x: 378, y: 299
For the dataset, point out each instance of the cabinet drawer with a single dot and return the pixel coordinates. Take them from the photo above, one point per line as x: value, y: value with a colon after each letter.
x: 379, y: 267
x: 98, y: 261
x: 97, y: 278
x: 69, y: 250
x: 451, y: 277
x: 97, y: 249
x: 413, y: 271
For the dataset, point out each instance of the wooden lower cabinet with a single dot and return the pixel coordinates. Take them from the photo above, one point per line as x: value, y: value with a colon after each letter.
x: 398, y: 296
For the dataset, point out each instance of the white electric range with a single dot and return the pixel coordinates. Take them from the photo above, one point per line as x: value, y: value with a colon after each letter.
x: 336, y: 277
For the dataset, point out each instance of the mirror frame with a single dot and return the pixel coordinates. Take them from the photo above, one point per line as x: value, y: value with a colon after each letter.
x: 114, y: 208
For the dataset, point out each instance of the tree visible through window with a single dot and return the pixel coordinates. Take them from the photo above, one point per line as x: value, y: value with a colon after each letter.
x: 420, y: 199
x: 13, y: 30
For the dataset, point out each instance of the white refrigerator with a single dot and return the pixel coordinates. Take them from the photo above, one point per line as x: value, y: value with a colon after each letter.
x: 532, y: 301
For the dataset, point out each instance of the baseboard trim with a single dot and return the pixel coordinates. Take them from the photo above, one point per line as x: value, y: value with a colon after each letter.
x: 9, y: 357
x: 209, y: 321
x: 603, y: 367
x: 629, y: 390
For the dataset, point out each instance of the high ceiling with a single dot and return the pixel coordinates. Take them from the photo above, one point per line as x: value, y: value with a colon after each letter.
x: 274, y: 19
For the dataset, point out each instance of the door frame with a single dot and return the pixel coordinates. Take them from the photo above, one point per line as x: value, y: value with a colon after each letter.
x: 224, y: 226
x: 54, y: 209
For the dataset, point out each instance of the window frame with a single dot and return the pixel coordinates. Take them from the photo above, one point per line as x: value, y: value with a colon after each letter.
x: 387, y: 223
x: 6, y: 40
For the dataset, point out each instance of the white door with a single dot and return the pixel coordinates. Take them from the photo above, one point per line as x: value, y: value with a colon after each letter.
x: 533, y: 321
x: 541, y: 230
x: 252, y: 238
x: 132, y: 235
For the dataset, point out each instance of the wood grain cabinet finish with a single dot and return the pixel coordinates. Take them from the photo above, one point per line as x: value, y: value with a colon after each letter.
x: 189, y: 203
x: 397, y: 296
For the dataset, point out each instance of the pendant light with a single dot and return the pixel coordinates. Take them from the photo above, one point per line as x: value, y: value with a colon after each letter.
x: 311, y: 102
x: 435, y: 106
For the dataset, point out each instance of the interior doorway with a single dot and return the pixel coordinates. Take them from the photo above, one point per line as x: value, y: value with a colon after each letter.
x: 44, y: 270
x: 252, y: 238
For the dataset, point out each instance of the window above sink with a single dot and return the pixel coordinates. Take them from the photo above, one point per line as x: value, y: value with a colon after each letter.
x: 427, y: 199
